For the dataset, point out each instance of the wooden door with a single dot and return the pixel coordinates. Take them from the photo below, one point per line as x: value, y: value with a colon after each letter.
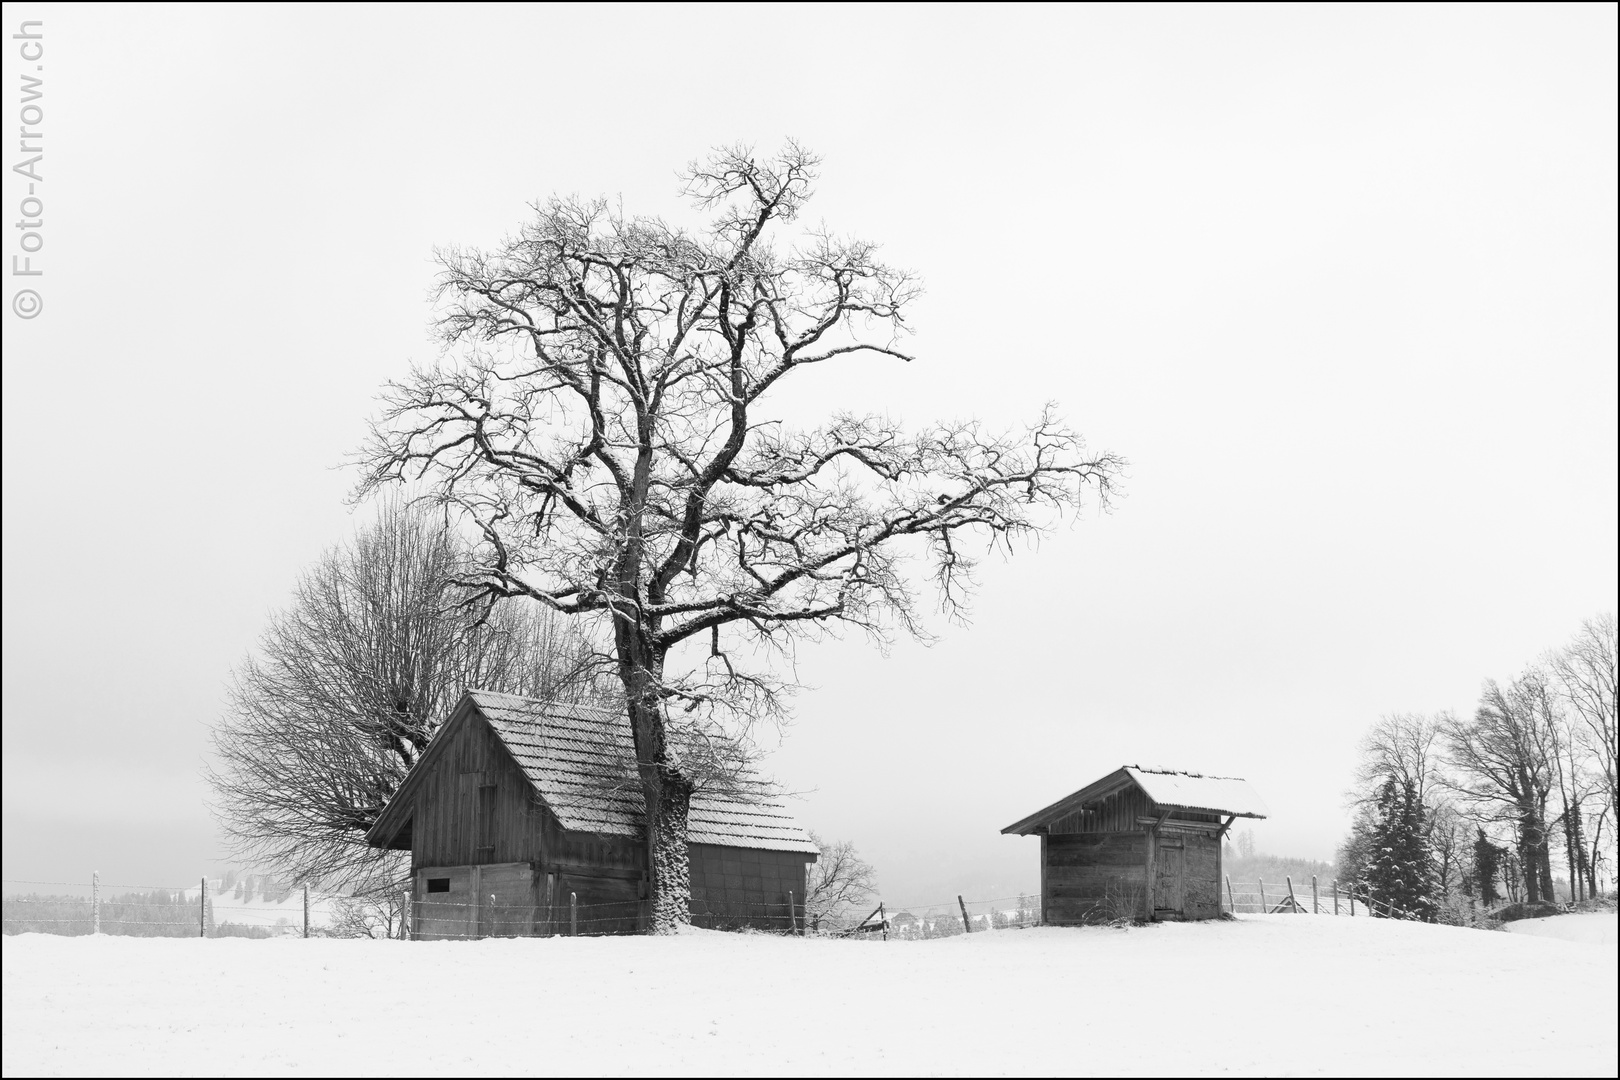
x: 1170, y: 883
x: 506, y: 900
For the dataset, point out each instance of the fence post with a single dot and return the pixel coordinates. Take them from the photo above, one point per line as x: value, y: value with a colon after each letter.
x: 404, y: 915
x: 1335, y: 896
x: 573, y: 914
x: 793, y: 922
x: 1293, y: 901
x: 967, y: 924
x: 306, y: 909
x: 1352, y: 899
x: 202, y: 909
x: 1262, y: 894
x: 883, y: 919
x: 1316, y: 903
x: 1231, y: 898
x: 95, y: 901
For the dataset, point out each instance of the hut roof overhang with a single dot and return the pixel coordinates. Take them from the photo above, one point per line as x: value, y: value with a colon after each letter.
x: 581, y: 763
x: 1171, y: 790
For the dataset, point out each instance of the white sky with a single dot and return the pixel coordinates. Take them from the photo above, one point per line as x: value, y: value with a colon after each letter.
x: 1339, y: 282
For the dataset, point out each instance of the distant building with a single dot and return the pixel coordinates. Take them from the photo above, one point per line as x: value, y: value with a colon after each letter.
x: 525, y: 818
x: 1139, y: 843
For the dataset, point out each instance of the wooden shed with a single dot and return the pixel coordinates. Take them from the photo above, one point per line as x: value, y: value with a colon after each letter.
x: 1139, y: 843
x: 524, y: 818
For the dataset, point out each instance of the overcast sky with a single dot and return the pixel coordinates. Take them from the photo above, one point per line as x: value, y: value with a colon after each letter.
x: 1338, y: 281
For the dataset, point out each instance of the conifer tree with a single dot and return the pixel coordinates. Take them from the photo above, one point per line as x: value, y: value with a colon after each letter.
x: 1400, y: 871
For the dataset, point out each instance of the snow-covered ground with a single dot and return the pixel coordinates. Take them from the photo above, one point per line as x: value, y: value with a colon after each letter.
x: 1261, y: 996
x: 1591, y: 927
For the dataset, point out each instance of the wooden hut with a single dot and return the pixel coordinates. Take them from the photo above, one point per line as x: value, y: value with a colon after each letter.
x: 1139, y: 843
x: 526, y: 818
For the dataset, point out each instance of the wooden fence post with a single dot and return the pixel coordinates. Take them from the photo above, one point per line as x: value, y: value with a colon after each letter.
x: 793, y: 922
x: 1316, y: 902
x: 95, y: 901
x: 1293, y: 901
x: 306, y: 909
x: 967, y: 924
x: 202, y: 909
x: 573, y: 914
x: 1262, y: 894
x: 884, y: 919
x: 1335, y: 896
x: 405, y: 915
x: 1231, y: 898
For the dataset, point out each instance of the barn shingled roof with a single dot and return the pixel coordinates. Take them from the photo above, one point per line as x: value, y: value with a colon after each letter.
x: 1167, y: 787
x: 581, y: 761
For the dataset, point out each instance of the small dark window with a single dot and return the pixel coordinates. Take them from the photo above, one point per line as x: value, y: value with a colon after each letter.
x: 438, y: 884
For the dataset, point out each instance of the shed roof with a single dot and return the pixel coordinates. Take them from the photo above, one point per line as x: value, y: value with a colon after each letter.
x: 1167, y: 787
x: 581, y: 761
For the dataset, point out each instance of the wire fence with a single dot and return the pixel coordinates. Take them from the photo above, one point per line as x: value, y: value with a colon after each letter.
x: 1283, y: 897
x: 206, y: 908
x: 211, y: 909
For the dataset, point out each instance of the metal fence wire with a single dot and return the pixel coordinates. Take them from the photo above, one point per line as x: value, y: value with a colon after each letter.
x: 206, y: 909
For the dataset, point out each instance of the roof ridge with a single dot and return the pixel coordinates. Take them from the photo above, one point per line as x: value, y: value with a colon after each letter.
x: 1181, y: 772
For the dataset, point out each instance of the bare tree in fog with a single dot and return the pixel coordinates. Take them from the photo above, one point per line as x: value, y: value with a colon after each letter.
x: 1407, y: 748
x: 836, y: 883
x: 1585, y: 669
x: 350, y: 682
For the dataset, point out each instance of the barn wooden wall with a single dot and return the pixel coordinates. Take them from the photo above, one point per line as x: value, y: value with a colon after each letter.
x: 1117, y: 813
x: 476, y: 806
x: 734, y: 887
x: 1092, y: 877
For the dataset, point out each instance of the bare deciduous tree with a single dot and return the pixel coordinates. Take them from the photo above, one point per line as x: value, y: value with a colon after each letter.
x: 350, y: 683
x: 604, y: 417
x: 1406, y: 748
x: 837, y: 883
x: 1585, y: 669
x: 1504, y: 755
x: 366, y: 917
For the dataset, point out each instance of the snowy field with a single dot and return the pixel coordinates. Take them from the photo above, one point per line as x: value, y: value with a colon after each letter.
x: 1589, y: 927
x: 1262, y: 996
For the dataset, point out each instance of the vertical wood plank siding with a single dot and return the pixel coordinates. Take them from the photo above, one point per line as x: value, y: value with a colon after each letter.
x: 1094, y: 877
x: 1095, y: 863
x: 734, y: 887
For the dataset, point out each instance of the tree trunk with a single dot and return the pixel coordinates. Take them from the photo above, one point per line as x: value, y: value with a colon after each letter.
x: 1530, y: 857
x: 1572, y: 852
x: 669, y: 800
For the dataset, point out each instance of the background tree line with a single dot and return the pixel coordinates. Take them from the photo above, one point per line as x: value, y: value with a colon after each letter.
x: 1455, y: 812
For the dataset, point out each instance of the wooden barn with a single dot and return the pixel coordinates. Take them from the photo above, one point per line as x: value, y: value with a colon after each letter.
x: 525, y: 818
x: 1139, y: 843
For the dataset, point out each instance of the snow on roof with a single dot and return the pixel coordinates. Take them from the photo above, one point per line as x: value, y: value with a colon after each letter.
x: 581, y: 762
x: 1222, y: 794
x: 1166, y: 787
